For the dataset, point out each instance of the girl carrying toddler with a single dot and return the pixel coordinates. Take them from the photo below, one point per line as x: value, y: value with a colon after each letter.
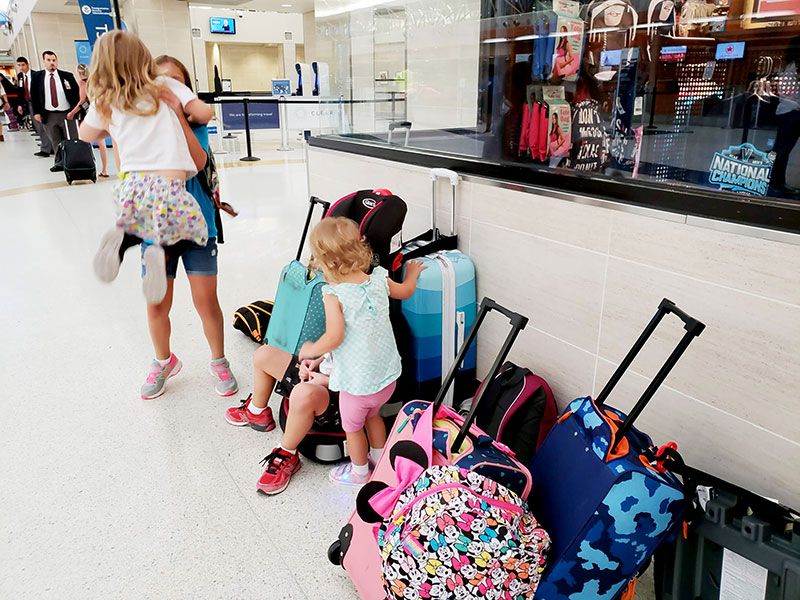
x: 359, y: 336
x: 144, y: 113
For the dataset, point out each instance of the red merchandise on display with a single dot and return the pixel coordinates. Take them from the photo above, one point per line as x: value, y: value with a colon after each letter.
x: 543, y: 122
x: 524, y: 139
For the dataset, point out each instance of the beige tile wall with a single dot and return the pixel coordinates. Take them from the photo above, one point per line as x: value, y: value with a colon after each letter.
x: 590, y: 278
x: 163, y: 26
x: 58, y: 32
x: 250, y: 66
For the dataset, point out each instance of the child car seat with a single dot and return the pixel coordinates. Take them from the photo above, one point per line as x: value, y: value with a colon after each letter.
x: 380, y: 215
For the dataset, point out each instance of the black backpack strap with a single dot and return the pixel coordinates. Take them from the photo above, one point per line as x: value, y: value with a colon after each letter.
x: 203, y: 180
x: 512, y: 375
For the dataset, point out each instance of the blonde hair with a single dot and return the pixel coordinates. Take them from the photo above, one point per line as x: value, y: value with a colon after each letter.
x: 338, y: 248
x: 123, y: 76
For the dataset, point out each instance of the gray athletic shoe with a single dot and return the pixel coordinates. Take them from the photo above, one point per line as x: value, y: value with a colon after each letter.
x: 154, y: 281
x: 226, y: 384
x: 106, y: 262
x: 157, y: 379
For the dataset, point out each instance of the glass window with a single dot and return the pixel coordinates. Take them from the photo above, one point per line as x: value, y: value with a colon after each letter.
x: 698, y: 95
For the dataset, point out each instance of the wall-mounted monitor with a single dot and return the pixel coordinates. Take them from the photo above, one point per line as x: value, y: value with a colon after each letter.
x: 222, y: 25
x: 730, y: 50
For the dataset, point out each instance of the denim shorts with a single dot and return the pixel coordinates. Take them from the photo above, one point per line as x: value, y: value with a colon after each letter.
x: 197, y: 260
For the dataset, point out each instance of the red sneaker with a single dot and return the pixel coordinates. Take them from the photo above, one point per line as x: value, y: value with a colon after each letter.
x: 241, y: 416
x: 281, y: 465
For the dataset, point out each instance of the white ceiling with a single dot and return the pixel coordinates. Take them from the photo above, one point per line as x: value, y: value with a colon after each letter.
x: 298, y: 6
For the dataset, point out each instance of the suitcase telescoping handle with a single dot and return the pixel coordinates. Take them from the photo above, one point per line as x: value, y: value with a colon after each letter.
x: 693, y: 329
x: 437, y: 174
x: 311, y: 204
x: 518, y: 323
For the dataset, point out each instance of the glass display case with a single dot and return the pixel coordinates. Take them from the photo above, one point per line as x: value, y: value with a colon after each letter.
x: 390, y: 65
x: 690, y: 106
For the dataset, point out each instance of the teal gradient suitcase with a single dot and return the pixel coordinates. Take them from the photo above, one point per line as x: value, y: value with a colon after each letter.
x: 442, y: 309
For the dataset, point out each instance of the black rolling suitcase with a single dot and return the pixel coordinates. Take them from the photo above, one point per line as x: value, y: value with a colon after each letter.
x: 77, y: 157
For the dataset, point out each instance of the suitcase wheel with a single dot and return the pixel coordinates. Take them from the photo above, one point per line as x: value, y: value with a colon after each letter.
x: 335, y: 553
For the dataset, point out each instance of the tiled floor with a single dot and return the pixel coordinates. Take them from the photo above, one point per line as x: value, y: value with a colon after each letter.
x: 105, y: 495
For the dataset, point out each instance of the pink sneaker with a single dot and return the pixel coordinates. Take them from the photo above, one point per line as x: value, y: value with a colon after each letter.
x: 225, y: 383
x: 157, y: 379
x: 344, y: 475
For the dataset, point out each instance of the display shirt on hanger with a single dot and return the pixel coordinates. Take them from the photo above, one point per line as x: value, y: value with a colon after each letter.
x: 589, y: 137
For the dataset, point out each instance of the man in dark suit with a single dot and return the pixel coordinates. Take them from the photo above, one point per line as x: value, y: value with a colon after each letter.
x: 24, y: 81
x: 54, y: 94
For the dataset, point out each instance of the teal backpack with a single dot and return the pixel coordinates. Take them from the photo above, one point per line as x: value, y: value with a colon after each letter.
x: 298, y: 315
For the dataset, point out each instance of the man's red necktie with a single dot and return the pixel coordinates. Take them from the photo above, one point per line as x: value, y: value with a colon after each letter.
x: 53, y: 92
x: 27, y: 88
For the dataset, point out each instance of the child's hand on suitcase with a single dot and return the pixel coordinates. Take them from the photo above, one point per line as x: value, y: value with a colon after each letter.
x: 413, y: 269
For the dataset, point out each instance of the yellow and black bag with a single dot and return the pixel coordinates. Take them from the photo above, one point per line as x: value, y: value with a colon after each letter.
x: 252, y: 320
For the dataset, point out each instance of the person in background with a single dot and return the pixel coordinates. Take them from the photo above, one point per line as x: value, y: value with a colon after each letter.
x: 79, y: 112
x: 54, y: 93
x: 3, y: 105
x: 11, y: 93
x: 24, y: 76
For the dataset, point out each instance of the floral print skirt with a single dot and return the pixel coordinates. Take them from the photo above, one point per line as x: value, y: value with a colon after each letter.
x: 159, y: 209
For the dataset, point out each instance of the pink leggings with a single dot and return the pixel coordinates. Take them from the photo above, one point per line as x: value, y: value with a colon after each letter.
x: 355, y: 410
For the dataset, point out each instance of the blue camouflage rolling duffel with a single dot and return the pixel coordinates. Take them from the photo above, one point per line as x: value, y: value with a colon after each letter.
x: 601, y: 490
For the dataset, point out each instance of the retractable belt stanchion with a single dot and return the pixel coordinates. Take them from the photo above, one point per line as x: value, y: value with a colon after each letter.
x: 249, y: 156
x: 283, y: 119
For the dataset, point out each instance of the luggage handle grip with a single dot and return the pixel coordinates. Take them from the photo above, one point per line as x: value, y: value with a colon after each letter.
x: 691, y: 324
x: 445, y: 174
x: 437, y: 174
x: 314, y: 201
x: 693, y: 329
x: 399, y: 125
x: 518, y: 323
x: 517, y: 320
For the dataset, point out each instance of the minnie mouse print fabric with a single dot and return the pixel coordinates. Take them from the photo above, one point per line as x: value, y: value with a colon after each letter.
x: 457, y: 534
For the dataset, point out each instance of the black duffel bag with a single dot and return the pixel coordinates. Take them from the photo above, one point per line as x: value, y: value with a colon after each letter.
x: 252, y: 320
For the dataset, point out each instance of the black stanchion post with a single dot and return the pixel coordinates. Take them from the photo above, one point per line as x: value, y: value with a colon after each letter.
x: 249, y: 156
x: 117, y: 15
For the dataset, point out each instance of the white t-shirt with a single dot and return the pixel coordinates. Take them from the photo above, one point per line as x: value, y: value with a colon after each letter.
x: 150, y: 143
